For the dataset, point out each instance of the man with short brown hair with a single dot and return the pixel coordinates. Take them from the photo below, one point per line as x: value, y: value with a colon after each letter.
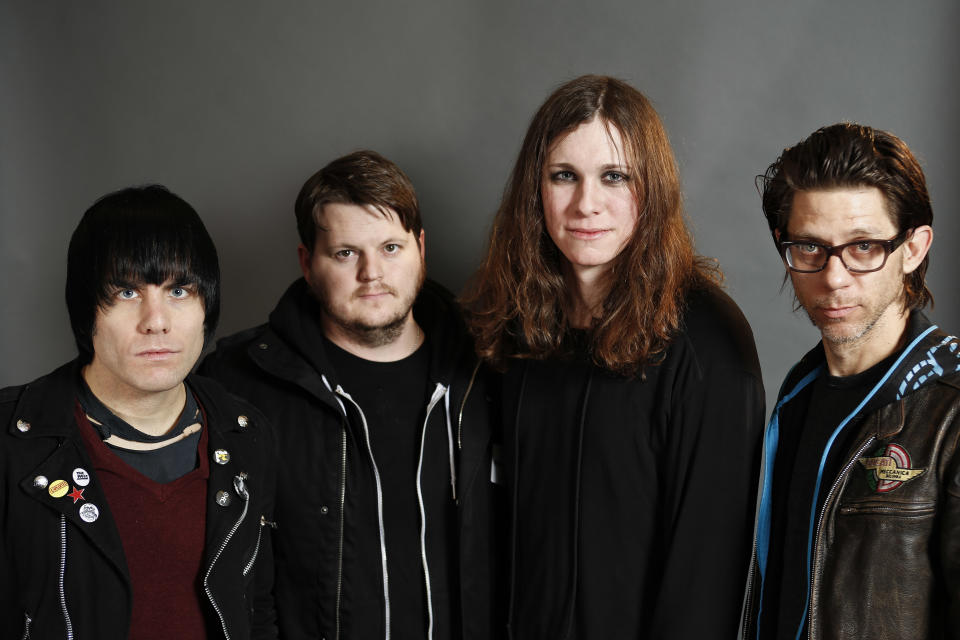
x: 384, y: 501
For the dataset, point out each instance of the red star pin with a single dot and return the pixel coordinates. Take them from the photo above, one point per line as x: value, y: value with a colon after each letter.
x: 76, y: 494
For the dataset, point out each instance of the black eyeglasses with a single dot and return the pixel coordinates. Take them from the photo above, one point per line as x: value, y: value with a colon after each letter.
x: 859, y: 256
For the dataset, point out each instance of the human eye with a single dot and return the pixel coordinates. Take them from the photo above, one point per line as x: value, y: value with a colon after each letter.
x: 180, y: 292
x: 563, y: 176
x: 125, y: 293
x: 615, y: 177
x: 865, y: 246
x: 391, y: 248
x: 809, y: 248
x: 344, y: 254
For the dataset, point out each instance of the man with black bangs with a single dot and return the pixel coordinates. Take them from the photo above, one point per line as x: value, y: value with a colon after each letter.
x: 135, y: 498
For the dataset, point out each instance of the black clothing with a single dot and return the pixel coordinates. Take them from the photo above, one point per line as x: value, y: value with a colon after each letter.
x: 649, y: 486
x: 393, y: 396
x: 882, y: 554
x: 284, y: 368
x: 804, y: 434
x: 51, y: 546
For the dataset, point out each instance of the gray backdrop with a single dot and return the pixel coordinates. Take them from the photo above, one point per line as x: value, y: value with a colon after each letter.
x: 234, y: 104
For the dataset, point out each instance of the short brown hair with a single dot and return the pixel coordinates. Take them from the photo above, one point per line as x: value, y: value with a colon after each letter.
x: 516, y: 302
x: 847, y: 154
x: 361, y: 178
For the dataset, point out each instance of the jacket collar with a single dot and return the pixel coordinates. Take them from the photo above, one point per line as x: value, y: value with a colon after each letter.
x: 45, y: 406
x: 928, y: 354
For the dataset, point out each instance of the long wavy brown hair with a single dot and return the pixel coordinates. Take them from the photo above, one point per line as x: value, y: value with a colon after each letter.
x: 518, y: 301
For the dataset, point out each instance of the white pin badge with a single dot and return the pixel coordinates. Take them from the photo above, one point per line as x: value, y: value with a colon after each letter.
x: 89, y: 512
x: 80, y: 477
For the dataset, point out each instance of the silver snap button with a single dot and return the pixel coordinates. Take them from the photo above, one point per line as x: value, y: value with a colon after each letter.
x: 324, y: 509
x: 263, y: 345
x: 40, y: 482
x: 223, y: 498
x: 242, y: 421
x: 23, y: 426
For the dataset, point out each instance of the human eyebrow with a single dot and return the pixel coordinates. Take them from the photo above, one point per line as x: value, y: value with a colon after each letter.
x: 616, y: 167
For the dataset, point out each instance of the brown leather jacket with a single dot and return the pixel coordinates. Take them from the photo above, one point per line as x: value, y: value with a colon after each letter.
x: 886, y: 542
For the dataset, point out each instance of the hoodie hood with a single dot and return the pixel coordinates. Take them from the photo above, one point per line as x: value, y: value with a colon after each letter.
x: 296, y: 320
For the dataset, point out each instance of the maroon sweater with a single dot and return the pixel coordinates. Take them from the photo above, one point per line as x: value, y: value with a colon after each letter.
x: 162, y: 529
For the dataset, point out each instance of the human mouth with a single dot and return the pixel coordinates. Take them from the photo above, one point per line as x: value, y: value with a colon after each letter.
x: 155, y: 355
x: 373, y: 295
x: 837, y: 312
x: 588, y: 234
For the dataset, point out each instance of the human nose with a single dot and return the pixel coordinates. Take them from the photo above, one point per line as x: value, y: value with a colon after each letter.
x: 370, y: 268
x: 836, y: 272
x: 588, y: 198
x: 154, y: 314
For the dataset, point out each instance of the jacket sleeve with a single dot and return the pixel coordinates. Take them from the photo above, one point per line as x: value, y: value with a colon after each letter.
x: 950, y: 544
x: 709, y: 470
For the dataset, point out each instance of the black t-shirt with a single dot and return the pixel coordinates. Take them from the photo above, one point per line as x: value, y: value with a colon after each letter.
x: 393, y: 397
x: 804, y: 434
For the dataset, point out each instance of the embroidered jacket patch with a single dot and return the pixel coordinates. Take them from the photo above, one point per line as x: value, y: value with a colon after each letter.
x: 890, y: 468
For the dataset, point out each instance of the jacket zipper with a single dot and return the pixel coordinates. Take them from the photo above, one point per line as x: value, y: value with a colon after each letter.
x: 240, y: 485
x: 256, y: 549
x: 437, y: 394
x: 463, y: 404
x: 63, y: 570
x: 383, y: 545
x: 343, y: 497
x: 26, y: 626
x: 823, y: 510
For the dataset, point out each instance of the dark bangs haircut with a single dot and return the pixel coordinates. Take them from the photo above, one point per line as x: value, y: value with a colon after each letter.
x: 849, y: 155
x: 517, y: 300
x: 363, y: 178
x: 133, y: 237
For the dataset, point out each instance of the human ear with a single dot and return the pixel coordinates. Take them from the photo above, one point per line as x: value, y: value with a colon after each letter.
x: 303, y: 257
x: 915, y: 248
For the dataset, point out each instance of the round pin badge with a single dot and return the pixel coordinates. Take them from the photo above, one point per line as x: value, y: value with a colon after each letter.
x: 80, y: 477
x: 89, y: 512
x: 221, y: 456
x: 40, y: 482
x: 58, y: 488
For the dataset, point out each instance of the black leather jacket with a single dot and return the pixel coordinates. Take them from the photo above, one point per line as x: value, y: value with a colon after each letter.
x: 321, y: 442
x: 63, y: 576
x: 885, y: 556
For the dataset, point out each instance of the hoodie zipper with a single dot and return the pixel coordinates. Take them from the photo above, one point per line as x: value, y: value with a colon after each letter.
x: 26, y: 627
x: 343, y: 497
x: 823, y: 510
x: 240, y: 486
x: 438, y: 393
x: 383, y: 544
x: 63, y: 570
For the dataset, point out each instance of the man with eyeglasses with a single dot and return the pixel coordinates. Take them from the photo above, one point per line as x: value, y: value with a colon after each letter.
x: 858, y: 519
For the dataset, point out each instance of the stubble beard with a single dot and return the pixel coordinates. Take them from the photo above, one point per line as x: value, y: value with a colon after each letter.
x: 874, y: 313
x: 378, y: 335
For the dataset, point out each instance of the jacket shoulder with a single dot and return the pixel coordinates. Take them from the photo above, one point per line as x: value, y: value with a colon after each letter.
x: 231, y: 350
x: 228, y: 405
x: 717, y: 332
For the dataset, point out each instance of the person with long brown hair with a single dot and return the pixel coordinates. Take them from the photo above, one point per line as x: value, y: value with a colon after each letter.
x: 632, y: 397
